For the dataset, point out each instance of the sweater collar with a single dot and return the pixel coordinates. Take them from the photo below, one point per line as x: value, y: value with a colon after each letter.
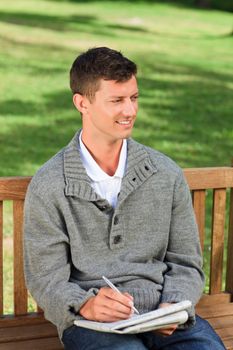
x: 139, y: 168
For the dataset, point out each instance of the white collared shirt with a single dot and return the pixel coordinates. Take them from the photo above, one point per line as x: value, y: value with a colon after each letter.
x: 106, y: 186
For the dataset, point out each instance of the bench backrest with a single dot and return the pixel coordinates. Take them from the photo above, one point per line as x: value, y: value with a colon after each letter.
x: 201, y: 181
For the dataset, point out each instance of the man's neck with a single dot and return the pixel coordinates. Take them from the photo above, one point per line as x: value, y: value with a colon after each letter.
x: 105, y: 154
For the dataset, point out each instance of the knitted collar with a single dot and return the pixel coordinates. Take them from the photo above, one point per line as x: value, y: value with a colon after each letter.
x: 139, y: 169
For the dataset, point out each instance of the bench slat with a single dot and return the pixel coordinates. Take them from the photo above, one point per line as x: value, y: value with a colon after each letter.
x: 229, y: 344
x: 1, y: 258
x: 20, y: 291
x: 29, y: 319
x: 12, y: 188
x: 219, y: 310
x: 217, y: 248
x: 198, y: 197
x: 226, y: 333
x: 224, y: 322
x: 229, y: 273
x: 27, y: 332
x: 204, y: 178
x: 212, y: 299
x: 35, y: 344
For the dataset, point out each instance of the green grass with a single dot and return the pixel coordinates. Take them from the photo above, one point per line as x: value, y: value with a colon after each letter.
x: 185, y: 78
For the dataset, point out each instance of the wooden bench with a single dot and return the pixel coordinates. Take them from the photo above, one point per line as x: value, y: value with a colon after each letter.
x: 29, y: 330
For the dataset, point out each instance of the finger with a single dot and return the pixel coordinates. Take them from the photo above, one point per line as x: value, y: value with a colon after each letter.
x: 117, y: 308
x: 109, y: 302
x: 116, y: 314
x: 110, y: 318
x: 164, y: 305
x: 99, y: 308
x: 119, y: 305
x: 167, y: 331
x: 120, y: 297
x: 109, y: 311
x: 128, y: 296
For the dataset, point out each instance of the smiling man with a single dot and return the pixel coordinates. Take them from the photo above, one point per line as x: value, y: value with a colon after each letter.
x: 108, y: 119
x: 107, y: 205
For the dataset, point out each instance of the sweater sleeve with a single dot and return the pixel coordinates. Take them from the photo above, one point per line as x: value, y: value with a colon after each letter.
x: 47, y: 263
x: 184, y: 278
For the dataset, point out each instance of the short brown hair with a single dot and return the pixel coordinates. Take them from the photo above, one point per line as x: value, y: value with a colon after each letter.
x: 99, y: 63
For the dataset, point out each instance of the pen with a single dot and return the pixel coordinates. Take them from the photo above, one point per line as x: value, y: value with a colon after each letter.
x: 111, y: 285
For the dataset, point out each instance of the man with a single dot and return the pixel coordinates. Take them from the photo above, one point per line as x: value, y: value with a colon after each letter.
x: 106, y: 205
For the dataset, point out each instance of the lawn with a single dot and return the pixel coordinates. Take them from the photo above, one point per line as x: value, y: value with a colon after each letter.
x: 185, y: 77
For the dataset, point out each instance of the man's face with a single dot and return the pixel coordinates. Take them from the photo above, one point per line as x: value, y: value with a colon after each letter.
x: 111, y: 115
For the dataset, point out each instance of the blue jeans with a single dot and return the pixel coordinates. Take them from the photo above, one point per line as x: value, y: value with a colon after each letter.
x: 199, y: 337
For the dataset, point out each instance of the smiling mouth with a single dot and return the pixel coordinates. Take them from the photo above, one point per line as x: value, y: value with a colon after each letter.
x: 124, y: 122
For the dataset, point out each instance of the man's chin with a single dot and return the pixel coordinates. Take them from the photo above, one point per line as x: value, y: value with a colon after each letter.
x: 128, y: 134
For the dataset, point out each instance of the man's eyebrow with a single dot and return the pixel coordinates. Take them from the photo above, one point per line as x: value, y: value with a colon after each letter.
x: 117, y: 96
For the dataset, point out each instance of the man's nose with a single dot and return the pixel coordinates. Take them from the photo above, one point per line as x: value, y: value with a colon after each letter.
x: 130, y: 108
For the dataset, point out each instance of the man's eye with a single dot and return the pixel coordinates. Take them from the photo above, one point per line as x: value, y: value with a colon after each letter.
x: 116, y: 101
x: 134, y: 98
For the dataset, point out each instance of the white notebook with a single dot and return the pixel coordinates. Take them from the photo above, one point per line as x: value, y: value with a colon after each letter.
x: 160, y: 318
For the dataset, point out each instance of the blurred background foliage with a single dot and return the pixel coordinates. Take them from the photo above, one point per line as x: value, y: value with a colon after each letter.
x: 225, y: 5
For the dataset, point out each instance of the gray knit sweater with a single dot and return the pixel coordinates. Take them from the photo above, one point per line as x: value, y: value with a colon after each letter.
x: 148, y: 246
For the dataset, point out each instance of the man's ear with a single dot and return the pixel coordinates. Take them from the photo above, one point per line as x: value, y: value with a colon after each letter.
x: 80, y: 103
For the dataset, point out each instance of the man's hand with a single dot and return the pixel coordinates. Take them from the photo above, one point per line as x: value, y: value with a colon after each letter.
x: 168, y: 330
x: 107, y: 306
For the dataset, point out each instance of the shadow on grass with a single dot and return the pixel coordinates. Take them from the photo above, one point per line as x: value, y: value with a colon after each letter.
x: 79, y: 23
x: 44, y: 46
x: 44, y: 21
x: 192, y: 120
x: 185, y: 112
x: 92, y: 24
x: 30, y: 146
x: 58, y: 101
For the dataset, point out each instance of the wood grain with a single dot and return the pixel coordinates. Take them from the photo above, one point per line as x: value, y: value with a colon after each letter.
x: 13, y: 187
x: 20, y: 291
x: 207, y: 178
x: 24, y: 331
x: 199, y: 210
x: 1, y: 258
x: 217, y: 244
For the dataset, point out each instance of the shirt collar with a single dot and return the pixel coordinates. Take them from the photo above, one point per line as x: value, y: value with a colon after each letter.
x: 93, y: 169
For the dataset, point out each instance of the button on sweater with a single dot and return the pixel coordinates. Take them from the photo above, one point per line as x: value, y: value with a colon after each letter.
x: 148, y: 245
